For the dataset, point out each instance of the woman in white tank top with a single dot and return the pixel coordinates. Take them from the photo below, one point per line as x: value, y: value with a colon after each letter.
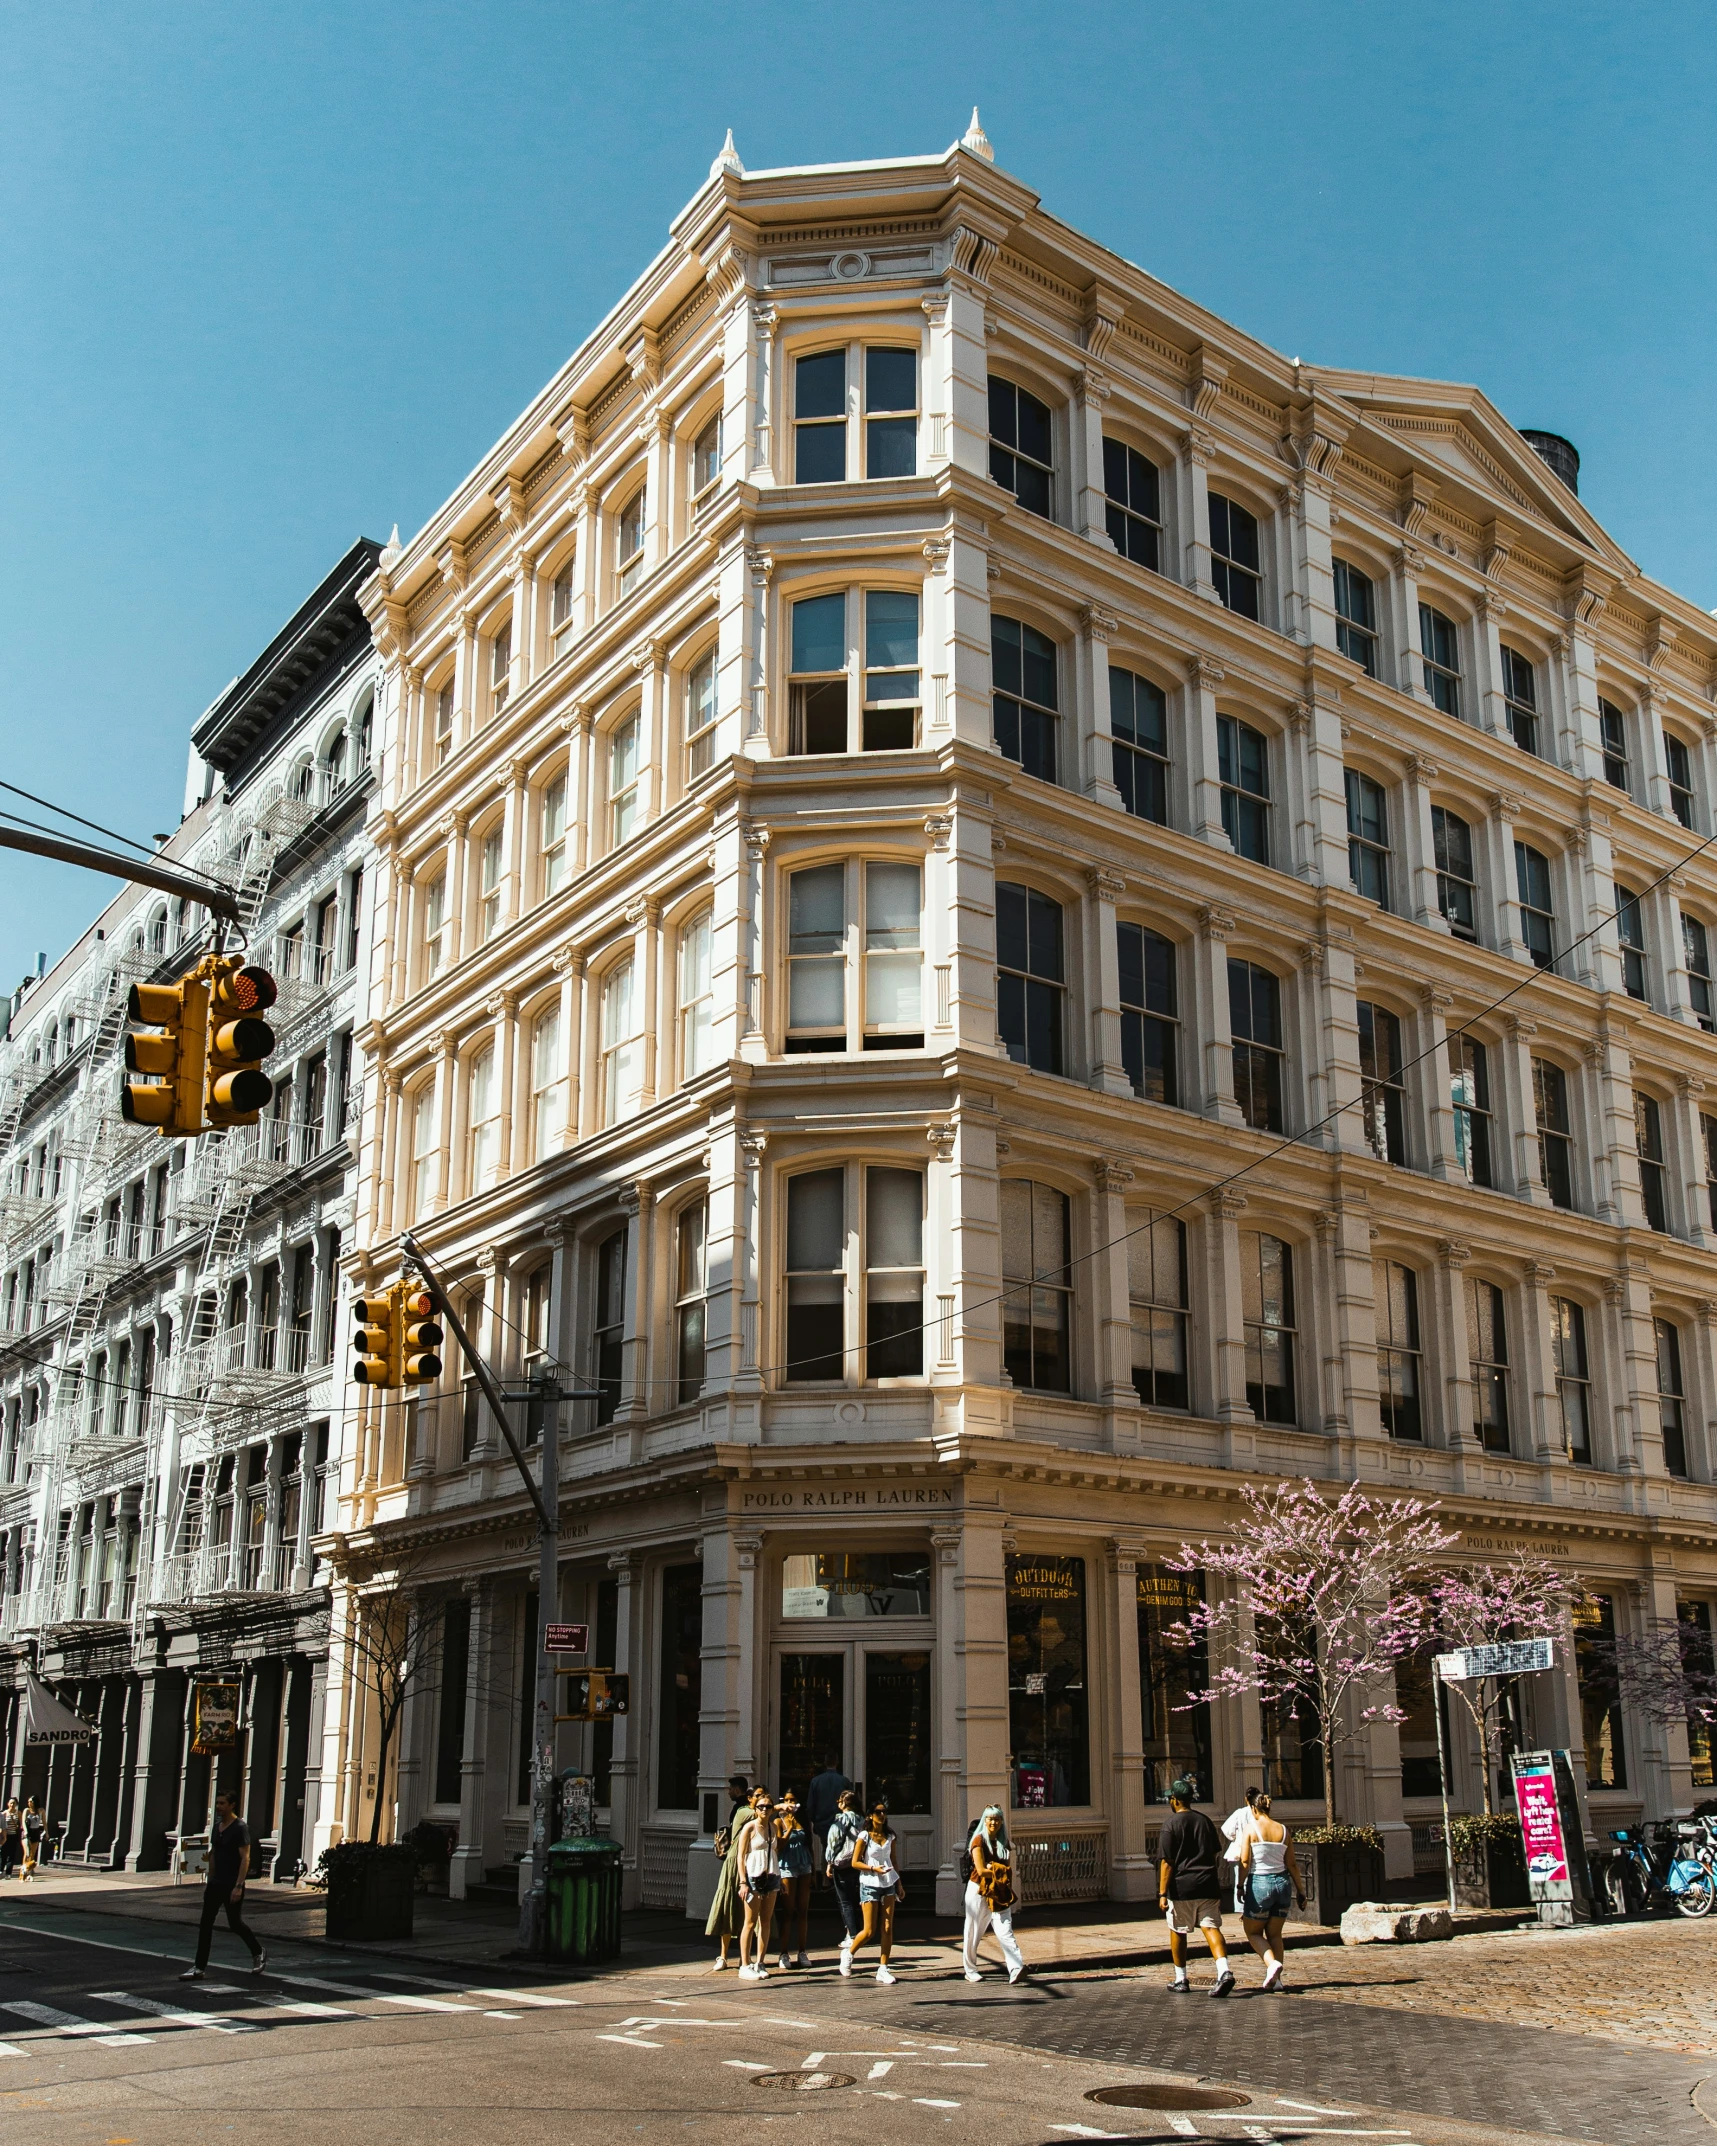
x: 1269, y: 1873
x: 759, y: 1884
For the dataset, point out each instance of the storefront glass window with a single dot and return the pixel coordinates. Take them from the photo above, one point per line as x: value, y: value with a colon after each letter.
x: 856, y: 1583
x: 1600, y: 1698
x: 1695, y: 1621
x: 1420, y: 1775
x: 680, y: 1689
x: 813, y: 1717
x: 897, y: 1731
x: 1293, y: 1757
x: 1048, y: 1704
x: 1177, y: 1735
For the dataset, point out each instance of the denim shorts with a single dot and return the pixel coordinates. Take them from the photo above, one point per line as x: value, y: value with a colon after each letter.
x: 870, y: 1889
x: 769, y: 1882
x: 1267, y: 1894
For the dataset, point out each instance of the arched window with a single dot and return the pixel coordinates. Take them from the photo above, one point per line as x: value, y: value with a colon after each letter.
x: 706, y: 457
x: 489, y: 885
x: 691, y: 1282
x: 548, y: 1084
x: 1399, y: 1381
x: 629, y: 542
x: 1022, y: 453
x: 1235, y: 566
x: 1537, y: 915
x: 1133, y: 513
x: 700, y: 717
x: 1356, y: 617
x: 501, y: 666
x: 623, y: 781
x: 1469, y: 1095
x: 1487, y: 1360
x: 1150, y: 1027
x: 1440, y: 652
x: 1671, y: 1396
x: 552, y: 853
x: 1368, y: 837
x: 1037, y: 1309
x: 1243, y: 771
x: 1156, y: 1285
x: 1573, y: 1377
x: 622, y: 1045
x: 1030, y: 976
x: 1383, y: 1097
x: 1520, y: 697
x: 1255, y: 1021
x: 1696, y: 959
x: 335, y: 762
x: 1139, y: 724
x: 1267, y: 1289
x: 483, y: 1091
x: 1613, y: 736
x: 608, y: 1328
x: 697, y: 997
x: 1653, y: 1176
x: 1022, y: 663
x: 1678, y: 767
x: 1457, y: 882
x: 423, y: 1150
x: 1630, y: 936
x: 1555, y: 1131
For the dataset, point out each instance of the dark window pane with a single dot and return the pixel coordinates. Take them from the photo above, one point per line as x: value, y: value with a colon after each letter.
x: 898, y: 1730
x: 679, y: 1688
x: 820, y: 385
x: 890, y: 379
x: 820, y: 454
x: 1048, y: 1689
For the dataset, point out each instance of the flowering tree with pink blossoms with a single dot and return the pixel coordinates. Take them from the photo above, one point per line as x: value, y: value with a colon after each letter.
x: 1486, y: 1606
x: 1326, y: 1595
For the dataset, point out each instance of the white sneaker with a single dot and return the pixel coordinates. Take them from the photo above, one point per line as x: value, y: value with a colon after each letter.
x: 846, y: 1959
x: 720, y: 1965
x: 883, y: 1975
x: 748, y: 1974
x: 970, y: 1977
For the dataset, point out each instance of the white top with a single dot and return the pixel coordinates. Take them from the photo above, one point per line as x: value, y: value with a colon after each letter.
x: 761, y: 1857
x: 878, y: 1864
x: 1269, y: 1857
x: 1237, y: 1829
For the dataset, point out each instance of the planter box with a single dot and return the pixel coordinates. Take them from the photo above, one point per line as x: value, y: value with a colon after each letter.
x: 1492, y: 1874
x: 1337, y: 1876
x: 371, y: 1897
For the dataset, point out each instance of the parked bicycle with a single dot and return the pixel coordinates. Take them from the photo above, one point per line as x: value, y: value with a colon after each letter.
x: 1672, y: 1864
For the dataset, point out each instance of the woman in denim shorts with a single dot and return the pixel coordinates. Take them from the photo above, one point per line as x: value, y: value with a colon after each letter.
x: 793, y: 1910
x: 1270, y: 1873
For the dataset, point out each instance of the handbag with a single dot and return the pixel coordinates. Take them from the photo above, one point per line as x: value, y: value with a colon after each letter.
x: 997, y: 1886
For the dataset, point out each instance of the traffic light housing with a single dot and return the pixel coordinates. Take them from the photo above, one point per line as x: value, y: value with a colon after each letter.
x: 419, y: 1335
x: 236, y: 1088
x: 596, y: 1694
x: 176, y: 1057
x: 376, y: 1342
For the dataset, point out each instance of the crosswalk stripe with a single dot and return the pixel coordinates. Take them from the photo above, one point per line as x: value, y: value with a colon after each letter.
x: 271, y: 2003
x: 11, y: 2049
x: 44, y: 2015
x: 348, y: 1989
x: 473, y: 1989
x: 214, y: 2022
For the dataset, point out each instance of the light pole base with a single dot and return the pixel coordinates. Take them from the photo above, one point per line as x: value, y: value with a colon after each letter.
x: 533, y: 1922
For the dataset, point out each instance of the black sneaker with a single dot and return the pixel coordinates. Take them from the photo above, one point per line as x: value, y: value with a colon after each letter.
x: 192, y: 1974
x: 1224, y: 1986
x: 1180, y: 1989
x: 259, y: 1965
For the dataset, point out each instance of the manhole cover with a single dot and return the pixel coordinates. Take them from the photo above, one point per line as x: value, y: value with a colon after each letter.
x: 805, y: 2082
x: 1169, y: 2097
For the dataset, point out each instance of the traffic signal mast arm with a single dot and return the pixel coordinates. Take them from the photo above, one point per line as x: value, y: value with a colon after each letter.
x: 480, y: 1372
x: 216, y: 900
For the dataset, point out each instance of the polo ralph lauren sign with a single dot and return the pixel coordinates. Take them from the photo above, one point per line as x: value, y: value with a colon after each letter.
x: 852, y: 1498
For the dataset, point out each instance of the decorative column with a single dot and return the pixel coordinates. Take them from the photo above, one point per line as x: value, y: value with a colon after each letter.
x: 748, y: 1741
x: 655, y: 790
x: 765, y: 394
x: 569, y: 967
x: 1418, y: 897
x: 625, y: 1791
x: 721, y: 1662
x: 638, y: 1204
x: 1096, y: 740
x: 1203, y: 773
x: 1198, y: 448
x: 502, y: 1007
x: 1215, y: 1097
x: 454, y: 825
x: 393, y: 1166
x: 1428, y: 1086
x: 945, y: 1798
x: 468, y: 1864
x: 1349, y: 1346
x: 1132, y: 1868
x: 1112, y: 1309
x: 980, y: 1657
x: 1401, y: 629
x: 1496, y: 844
x: 1517, y: 1119
x: 649, y: 975
x: 1226, y: 1298
x: 446, y: 1047
x: 1092, y: 389
x: 515, y: 834
x: 757, y: 742
x: 1543, y: 1424
x: 1108, y: 1072
x: 1687, y: 1149
x: 1446, y: 1330
x: 753, y: 1040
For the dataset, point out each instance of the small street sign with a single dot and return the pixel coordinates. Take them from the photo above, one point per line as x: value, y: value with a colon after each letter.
x: 1516, y: 1659
x: 568, y: 1639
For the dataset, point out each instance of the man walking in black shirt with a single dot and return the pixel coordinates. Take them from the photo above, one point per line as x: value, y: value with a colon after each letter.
x: 1189, y: 1849
x: 229, y: 1866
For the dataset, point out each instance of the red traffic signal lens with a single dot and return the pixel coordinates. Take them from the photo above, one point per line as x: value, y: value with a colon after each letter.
x: 247, y: 990
x: 418, y: 1303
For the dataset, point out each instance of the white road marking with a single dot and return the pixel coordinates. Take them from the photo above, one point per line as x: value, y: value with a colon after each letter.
x: 11, y: 2049
x: 461, y: 1989
x: 1089, y: 2131
x: 631, y: 2041
x: 745, y: 2064
x: 350, y: 1989
x: 44, y: 2015
x: 1184, y: 2125
x: 528, y: 1998
x: 214, y: 2022
x: 881, y: 2068
x: 280, y: 2004
x: 919, y: 2102
x: 1312, y: 2108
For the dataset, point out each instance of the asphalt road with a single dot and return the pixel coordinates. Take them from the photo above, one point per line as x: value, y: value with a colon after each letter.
x: 102, y: 2045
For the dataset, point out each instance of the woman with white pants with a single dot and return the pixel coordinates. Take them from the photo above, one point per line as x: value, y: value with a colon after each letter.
x: 990, y: 1895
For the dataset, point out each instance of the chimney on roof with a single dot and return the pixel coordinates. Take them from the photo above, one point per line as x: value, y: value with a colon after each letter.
x: 1558, y: 454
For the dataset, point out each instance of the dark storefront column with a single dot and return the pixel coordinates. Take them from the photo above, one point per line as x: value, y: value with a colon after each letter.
x: 262, y: 1761
x: 161, y: 1705
x: 295, y: 1812
x: 108, y: 1769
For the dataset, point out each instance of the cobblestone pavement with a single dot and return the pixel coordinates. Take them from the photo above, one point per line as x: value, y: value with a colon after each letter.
x: 1652, y: 1984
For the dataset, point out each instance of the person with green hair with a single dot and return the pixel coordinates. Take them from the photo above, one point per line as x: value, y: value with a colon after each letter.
x: 990, y: 1894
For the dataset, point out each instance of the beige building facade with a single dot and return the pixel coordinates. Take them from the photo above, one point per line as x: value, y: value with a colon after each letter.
x: 993, y: 915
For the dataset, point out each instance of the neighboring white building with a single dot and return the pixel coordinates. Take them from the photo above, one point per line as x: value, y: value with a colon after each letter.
x: 170, y: 1404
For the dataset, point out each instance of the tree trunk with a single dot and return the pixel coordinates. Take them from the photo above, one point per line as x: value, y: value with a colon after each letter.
x: 1327, y: 1740
x: 1484, y: 1749
x: 389, y: 1716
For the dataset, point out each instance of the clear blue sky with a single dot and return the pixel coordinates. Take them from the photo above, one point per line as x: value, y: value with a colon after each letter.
x: 274, y: 276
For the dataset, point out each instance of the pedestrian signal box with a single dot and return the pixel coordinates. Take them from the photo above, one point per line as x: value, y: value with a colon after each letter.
x: 596, y: 1694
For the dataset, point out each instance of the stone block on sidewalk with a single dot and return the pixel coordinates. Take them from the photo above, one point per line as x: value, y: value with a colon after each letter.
x: 1376, y: 1922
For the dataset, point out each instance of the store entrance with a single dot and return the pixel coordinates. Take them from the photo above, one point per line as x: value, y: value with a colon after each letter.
x: 867, y: 1707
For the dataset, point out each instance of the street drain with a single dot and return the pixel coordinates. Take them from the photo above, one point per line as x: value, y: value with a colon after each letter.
x: 1169, y: 2097
x: 805, y: 2082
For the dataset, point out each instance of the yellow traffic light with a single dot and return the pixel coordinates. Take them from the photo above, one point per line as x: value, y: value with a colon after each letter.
x: 376, y: 1341
x: 176, y: 1058
x: 237, y: 1089
x: 419, y: 1335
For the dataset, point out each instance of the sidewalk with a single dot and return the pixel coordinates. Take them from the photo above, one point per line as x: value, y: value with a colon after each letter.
x: 1093, y: 1936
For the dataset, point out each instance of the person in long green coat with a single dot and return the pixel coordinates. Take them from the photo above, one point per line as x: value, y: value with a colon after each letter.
x: 727, y: 1910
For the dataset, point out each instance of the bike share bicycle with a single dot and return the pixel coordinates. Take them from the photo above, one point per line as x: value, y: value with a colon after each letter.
x: 1671, y: 1864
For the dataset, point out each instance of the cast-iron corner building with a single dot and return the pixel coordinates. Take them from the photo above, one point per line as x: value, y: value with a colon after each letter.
x: 917, y: 756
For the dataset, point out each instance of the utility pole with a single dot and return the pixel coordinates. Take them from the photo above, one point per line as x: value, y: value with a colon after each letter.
x: 544, y: 1394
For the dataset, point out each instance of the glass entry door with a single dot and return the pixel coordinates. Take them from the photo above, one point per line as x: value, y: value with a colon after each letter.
x: 811, y: 1718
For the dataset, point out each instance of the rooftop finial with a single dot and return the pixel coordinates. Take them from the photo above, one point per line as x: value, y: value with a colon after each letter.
x: 976, y: 140
x: 728, y: 160
x: 393, y: 548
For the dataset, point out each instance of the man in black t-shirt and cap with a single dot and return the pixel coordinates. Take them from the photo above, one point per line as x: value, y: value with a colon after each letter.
x: 229, y: 1866
x: 1189, y: 1849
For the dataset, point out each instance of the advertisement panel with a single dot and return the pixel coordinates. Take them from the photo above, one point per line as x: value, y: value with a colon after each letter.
x: 214, y: 1719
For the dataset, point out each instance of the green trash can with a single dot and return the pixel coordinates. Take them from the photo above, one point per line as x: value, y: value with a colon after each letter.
x: 584, y: 1900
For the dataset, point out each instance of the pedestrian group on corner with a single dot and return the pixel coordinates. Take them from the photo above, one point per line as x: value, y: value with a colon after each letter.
x: 770, y: 1851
